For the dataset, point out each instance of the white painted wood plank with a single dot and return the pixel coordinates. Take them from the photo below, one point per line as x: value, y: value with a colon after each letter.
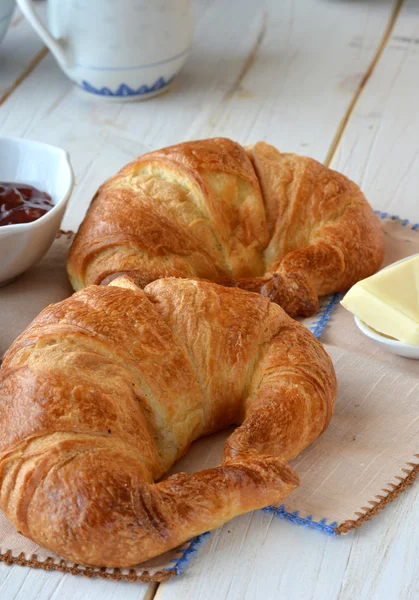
x: 23, y: 583
x: 19, y: 47
x: 384, y: 557
x: 283, y: 71
x: 260, y: 557
x: 383, y: 563
x: 379, y: 147
x: 296, y: 104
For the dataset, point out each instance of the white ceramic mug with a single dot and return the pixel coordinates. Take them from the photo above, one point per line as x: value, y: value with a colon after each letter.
x: 117, y: 49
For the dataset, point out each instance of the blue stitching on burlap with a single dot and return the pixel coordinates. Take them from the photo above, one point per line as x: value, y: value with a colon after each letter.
x: 191, y: 549
x: 294, y: 517
x: 324, y: 314
x: 404, y: 222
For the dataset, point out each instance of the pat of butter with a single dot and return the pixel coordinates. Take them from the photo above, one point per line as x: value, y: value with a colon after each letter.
x: 389, y: 301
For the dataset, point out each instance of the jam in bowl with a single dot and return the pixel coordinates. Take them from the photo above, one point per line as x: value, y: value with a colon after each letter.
x: 32, y: 207
x: 22, y: 203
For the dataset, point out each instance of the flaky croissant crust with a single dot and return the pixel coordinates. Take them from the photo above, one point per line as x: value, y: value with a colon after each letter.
x: 279, y: 224
x: 105, y: 390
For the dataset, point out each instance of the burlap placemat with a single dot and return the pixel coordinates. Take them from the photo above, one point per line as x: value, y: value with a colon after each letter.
x: 368, y: 455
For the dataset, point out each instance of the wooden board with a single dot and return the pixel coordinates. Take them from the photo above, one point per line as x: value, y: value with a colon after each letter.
x: 23, y: 583
x: 20, y: 51
x: 282, y: 71
x: 379, y: 148
x: 286, y: 72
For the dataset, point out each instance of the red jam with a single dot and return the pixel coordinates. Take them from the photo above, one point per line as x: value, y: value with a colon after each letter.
x: 22, y: 203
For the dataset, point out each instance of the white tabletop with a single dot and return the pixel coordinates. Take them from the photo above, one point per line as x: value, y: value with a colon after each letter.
x: 335, y: 80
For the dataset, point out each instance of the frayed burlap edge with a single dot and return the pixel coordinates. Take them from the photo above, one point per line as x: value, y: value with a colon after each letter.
x: 49, y: 565
x: 381, y: 501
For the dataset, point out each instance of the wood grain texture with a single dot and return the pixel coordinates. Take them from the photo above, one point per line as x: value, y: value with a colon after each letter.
x: 23, y: 583
x: 20, y: 52
x: 379, y: 147
x: 285, y: 73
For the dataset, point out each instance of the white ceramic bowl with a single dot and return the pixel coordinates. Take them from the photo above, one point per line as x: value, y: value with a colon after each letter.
x: 385, y: 342
x: 47, y: 168
x: 6, y: 12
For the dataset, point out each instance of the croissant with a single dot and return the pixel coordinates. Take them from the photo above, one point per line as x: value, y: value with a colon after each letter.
x: 105, y: 390
x: 279, y: 224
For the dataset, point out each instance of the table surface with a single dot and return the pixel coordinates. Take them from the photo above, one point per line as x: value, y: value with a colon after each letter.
x: 332, y: 79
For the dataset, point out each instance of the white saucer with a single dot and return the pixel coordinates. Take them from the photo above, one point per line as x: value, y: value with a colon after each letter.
x: 388, y: 343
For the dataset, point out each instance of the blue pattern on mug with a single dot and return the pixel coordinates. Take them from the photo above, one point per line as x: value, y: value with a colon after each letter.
x: 125, y: 90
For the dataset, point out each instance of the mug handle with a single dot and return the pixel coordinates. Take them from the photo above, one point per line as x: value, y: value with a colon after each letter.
x: 57, y: 49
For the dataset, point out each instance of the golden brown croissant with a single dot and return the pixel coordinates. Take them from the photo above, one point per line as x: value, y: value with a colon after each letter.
x: 279, y: 224
x: 105, y: 390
